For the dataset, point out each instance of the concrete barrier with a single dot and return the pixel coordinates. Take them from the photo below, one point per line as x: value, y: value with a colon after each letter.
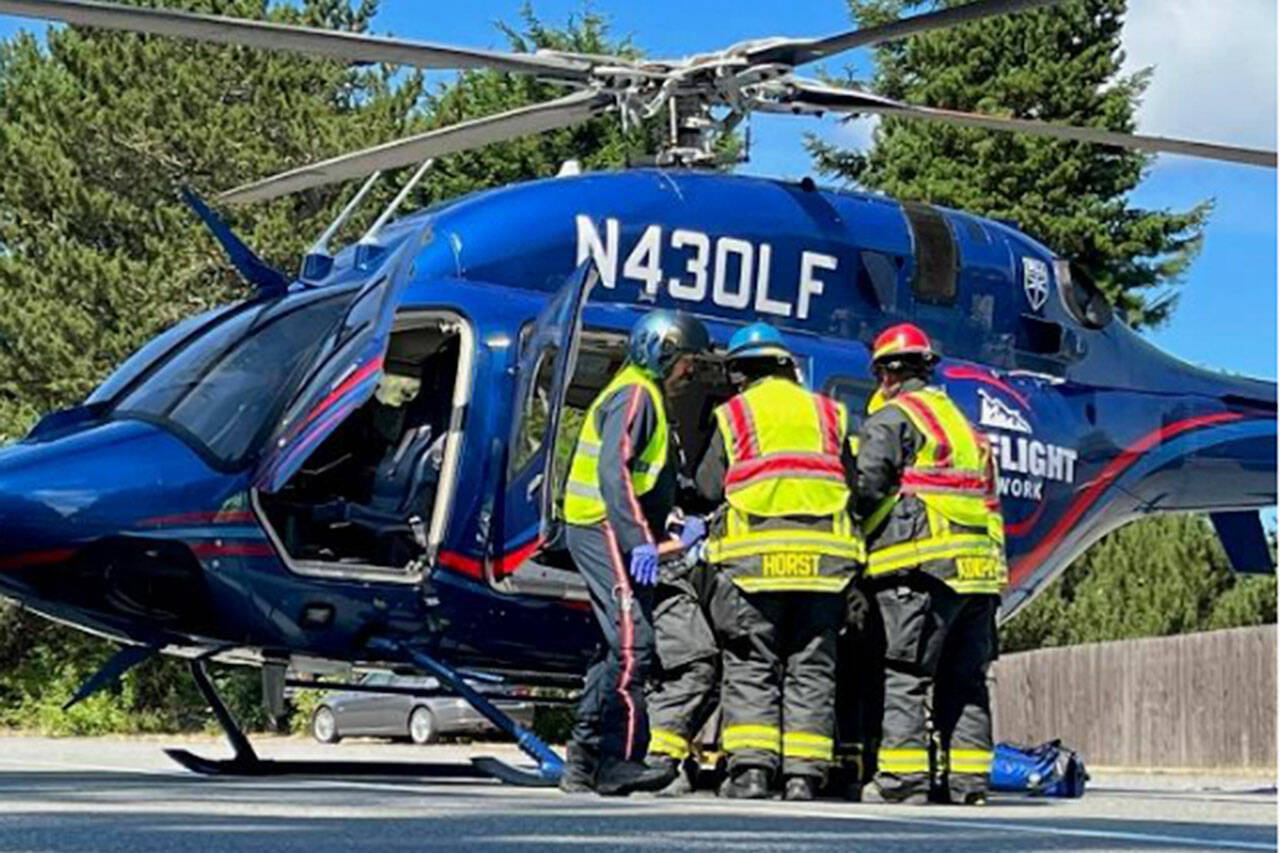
x: 1192, y: 701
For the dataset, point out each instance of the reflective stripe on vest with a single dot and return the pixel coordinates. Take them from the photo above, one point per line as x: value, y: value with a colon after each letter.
x: 583, y: 502
x: 788, y: 526
x: 953, y: 474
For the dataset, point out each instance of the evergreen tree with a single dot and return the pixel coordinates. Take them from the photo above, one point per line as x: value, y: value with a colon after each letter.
x: 98, y: 130
x: 1155, y: 577
x: 1058, y: 65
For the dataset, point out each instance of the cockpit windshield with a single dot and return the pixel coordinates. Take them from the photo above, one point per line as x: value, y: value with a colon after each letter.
x: 223, y: 386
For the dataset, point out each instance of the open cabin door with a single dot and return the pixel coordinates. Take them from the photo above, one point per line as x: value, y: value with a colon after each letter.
x: 535, y: 459
x: 346, y: 372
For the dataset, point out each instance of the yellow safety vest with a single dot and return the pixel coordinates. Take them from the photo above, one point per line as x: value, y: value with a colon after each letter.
x: 788, y: 526
x: 583, y: 503
x: 953, y: 475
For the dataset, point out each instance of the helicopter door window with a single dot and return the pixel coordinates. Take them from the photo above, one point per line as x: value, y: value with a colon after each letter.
x: 537, y: 410
x: 881, y: 273
x: 366, y: 499
x: 1082, y: 298
x: 934, y: 279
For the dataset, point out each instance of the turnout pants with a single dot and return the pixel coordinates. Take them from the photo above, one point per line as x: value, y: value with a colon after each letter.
x: 611, y: 721
x: 938, y: 647
x: 684, y: 693
x: 779, y: 678
x: 859, y: 686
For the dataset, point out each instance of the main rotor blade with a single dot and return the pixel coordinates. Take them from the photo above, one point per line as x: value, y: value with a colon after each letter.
x: 550, y: 115
x: 810, y: 95
x: 352, y: 47
x: 799, y: 51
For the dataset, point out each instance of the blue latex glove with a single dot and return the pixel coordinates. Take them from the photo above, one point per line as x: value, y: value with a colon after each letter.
x: 644, y: 564
x: 695, y: 530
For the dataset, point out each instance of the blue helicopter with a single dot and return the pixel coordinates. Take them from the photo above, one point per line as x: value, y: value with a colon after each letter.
x: 360, y: 464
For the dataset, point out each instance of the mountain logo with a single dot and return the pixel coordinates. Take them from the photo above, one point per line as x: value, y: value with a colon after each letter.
x: 999, y: 414
x: 1035, y: 282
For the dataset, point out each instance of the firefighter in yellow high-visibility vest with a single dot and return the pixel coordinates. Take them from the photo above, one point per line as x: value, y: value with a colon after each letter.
x: 782, y: 461
x: 926, y: 494
x: 620, y: 489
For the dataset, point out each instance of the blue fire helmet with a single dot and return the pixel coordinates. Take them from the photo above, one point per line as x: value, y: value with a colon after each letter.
x: 661, y: 337
x: 759, y: 340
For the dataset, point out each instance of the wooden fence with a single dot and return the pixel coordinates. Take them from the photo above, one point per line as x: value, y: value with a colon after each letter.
x: 1196, y: 701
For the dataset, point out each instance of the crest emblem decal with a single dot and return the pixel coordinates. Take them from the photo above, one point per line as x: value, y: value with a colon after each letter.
x: 1035, y: 282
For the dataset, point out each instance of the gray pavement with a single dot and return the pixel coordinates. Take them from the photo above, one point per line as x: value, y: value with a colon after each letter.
x: 90, y: 794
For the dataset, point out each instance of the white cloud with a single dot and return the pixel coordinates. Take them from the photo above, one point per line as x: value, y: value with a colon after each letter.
x: 1215, y: 68
x: 857, y: 133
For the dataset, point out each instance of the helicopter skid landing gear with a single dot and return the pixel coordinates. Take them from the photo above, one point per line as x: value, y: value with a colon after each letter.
x: 247, y: 763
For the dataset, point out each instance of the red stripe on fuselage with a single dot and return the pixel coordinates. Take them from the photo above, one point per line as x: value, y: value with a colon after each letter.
x: 1108, y: 475
x: 462, y: 564
x: 350, y: 382
x: 214, y: 517
x: 35, y: 558
x: 958, y: 371
x: 232, y: 549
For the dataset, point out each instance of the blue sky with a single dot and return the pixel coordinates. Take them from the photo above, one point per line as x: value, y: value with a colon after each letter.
x: 1215, y: 80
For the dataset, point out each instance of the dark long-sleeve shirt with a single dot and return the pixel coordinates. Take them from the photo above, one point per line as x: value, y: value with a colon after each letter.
x: 888, y: 442
x: 627, y: 421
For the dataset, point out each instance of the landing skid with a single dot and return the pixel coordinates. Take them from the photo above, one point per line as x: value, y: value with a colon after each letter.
x: 247, y: 763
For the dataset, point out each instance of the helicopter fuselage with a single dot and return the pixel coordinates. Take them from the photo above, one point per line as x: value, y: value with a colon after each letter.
x: 162, y: 524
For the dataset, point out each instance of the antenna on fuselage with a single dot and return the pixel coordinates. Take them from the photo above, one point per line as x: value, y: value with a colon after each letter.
x: 318, y: 263
x: 368, y: 248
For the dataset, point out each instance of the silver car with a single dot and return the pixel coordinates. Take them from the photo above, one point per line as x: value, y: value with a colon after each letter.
x: 423, y: 719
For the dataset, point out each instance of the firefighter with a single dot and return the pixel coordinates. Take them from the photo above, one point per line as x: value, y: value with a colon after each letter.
x: 926, y: 493
x: 620, y: 489
x: 782, y: 461
x: 684, y: 694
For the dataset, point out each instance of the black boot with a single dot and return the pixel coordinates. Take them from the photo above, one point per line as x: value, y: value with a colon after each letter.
x: 800, y: 788
x: 682, y: 784
x: 579, y: 776
x: 618, y: 778
x: 751, y: 783
x: 872, y: 793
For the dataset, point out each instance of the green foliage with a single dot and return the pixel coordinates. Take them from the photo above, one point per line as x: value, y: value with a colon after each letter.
x: 1058, y: 65
x: 98, y: 130
x: 42, y: 664
x: 1159, y: 576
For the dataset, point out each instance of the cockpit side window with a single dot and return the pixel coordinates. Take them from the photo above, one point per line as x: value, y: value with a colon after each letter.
x: 934, y: 280
x: 1082, y: 298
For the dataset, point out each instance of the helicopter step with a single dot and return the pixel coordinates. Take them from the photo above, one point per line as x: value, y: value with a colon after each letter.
x: 246, y: 762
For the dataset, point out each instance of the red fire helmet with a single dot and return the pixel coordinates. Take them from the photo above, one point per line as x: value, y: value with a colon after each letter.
x: 902, y: 339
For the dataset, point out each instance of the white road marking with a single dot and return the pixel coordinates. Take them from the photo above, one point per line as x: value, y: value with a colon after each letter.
x: 1037, y: 829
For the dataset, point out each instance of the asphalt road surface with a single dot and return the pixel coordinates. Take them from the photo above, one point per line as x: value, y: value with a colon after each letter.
x: 105, y: 794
